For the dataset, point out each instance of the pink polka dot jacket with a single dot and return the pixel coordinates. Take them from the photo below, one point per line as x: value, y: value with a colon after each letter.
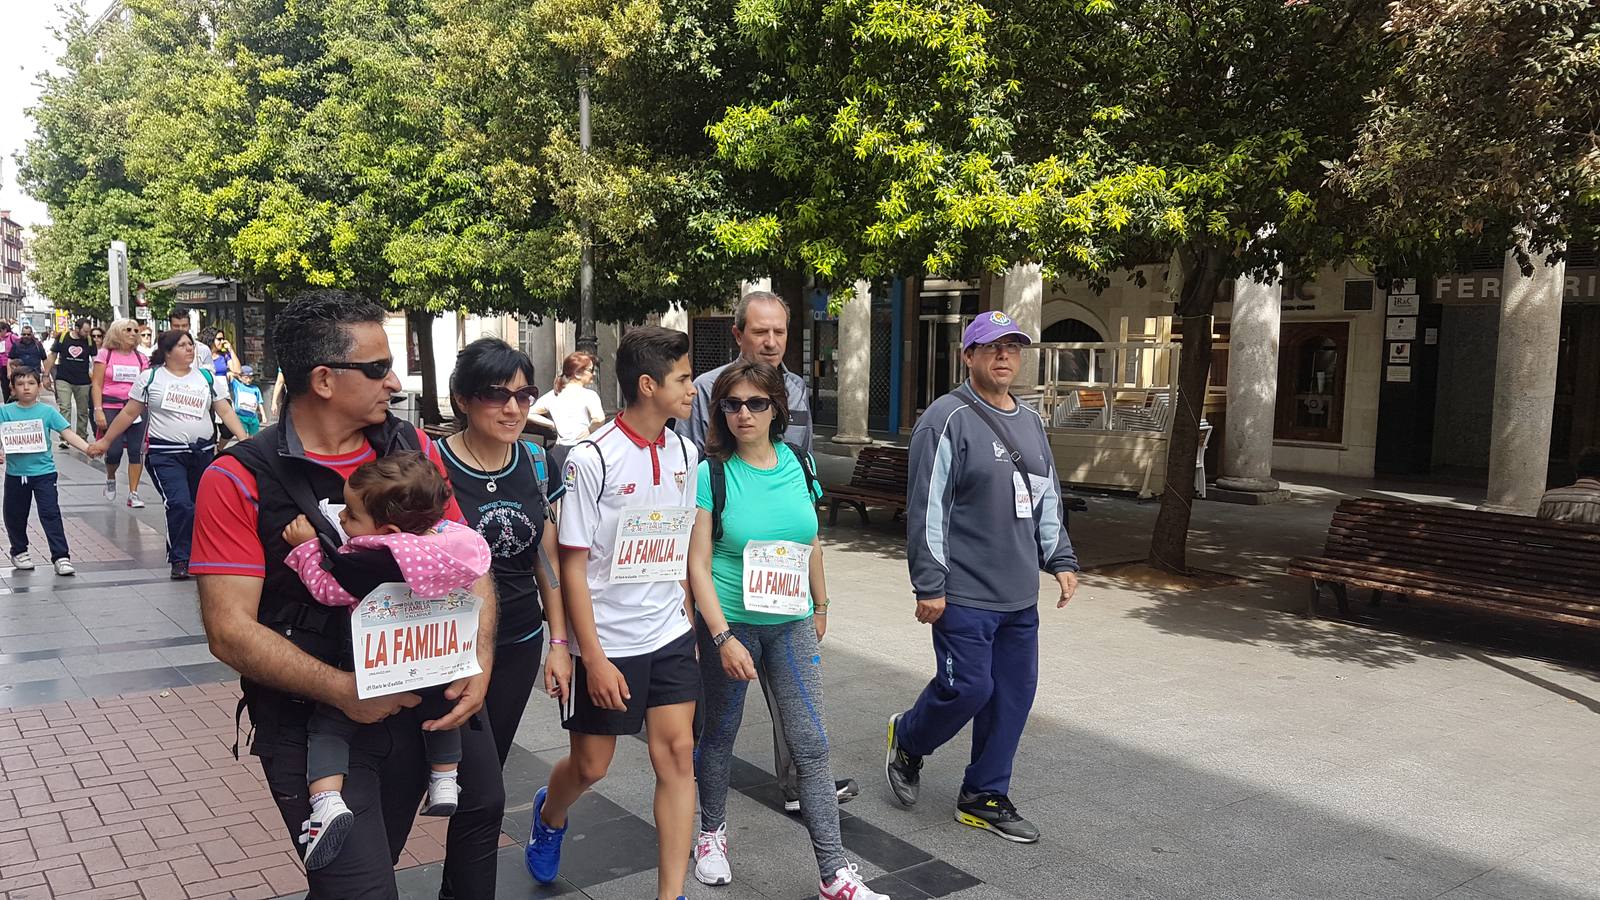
x: 449, y: 556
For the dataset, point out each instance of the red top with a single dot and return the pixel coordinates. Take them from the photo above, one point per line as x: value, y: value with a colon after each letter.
x: 225, y: 539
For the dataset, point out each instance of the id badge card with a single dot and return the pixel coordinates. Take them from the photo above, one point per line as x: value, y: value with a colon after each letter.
x: 1022, y: 499
x: 652, y: 544
x: 777, y: 577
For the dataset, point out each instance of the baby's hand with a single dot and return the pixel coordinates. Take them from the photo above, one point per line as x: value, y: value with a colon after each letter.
x: 299, y: 531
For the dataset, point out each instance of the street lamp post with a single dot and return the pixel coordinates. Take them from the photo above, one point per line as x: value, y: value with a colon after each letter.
x: 587, y: 341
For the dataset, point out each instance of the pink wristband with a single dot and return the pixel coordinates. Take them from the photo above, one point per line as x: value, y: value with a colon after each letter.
x: 558, y: 642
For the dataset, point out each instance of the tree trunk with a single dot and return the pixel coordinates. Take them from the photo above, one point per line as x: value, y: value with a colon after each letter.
x: 790, y: 284
x: 421, y: 323
x: 1202, y: 275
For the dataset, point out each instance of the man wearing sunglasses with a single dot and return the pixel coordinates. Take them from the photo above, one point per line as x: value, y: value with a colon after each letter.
x: 983, y: 518
x: 761, y: 328
x: 260, y: 619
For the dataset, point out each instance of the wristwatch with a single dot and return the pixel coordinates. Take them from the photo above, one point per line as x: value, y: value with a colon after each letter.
x: 717, y: 640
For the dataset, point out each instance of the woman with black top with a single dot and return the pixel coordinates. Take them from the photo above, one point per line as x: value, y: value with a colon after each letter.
x: 507, y: 492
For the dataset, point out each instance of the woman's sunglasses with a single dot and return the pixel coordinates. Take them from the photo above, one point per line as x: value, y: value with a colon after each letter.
x: 732, y: 405
x: 499, y: 395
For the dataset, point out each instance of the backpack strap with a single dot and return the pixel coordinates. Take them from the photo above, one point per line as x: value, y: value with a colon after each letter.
x: 804, y: 459
x: 536, y: 455
x: 719, y: 495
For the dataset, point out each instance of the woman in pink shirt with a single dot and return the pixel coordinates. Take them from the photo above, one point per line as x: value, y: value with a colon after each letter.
x: 116, y: 367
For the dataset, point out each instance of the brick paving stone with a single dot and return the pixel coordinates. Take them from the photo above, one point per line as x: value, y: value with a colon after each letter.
x: 139, y: 795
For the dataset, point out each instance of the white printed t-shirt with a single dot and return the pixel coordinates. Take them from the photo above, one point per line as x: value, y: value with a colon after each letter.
x: 630, y: 619
x: 167, y: 424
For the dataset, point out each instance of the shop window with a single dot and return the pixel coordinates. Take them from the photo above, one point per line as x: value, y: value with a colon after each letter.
x: 1312, y: 360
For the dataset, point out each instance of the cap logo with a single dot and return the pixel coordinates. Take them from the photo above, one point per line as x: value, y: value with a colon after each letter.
x: 999, y: 318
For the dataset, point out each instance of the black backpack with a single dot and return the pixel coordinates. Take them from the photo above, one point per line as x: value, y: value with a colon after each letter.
x: 719, y: 486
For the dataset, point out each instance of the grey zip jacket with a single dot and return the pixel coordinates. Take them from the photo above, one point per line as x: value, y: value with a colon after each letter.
x: 964, y: 539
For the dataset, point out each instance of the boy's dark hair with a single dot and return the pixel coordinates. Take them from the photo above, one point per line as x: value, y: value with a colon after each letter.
x: 313, y: 330
x: 17, y: 370
x: 404, y: 489
x: 647, y: 350
x: 764, y: 377
x: 482, y: 364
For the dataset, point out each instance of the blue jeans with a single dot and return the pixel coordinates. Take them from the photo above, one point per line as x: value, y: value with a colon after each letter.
x: 177, y: 477
x: 987, y: 670
x: 21, y: 492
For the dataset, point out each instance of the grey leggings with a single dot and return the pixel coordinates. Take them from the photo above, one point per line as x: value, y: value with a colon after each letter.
x: 787, y: 659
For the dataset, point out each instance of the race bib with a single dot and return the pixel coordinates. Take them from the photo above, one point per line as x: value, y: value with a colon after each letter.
x: 23, y: 437
x: 777, y: 577
x: 125, y: 374
x: 1024, y: 500
x: 652, y: 544
x: 247, y: 402
x: 186, y: 400
x: 402, y: 642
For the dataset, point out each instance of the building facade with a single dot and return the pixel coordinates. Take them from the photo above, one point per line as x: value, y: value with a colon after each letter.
x: 13, y: 267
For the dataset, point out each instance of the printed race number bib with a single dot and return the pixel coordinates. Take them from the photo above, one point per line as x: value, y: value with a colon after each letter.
x: 124, y: 374
x: 777, y: 577
x: 652, y: 544
x: 186, y: 400
x: 402, y: 642
x: 247, y: 403
x: 23, y: 437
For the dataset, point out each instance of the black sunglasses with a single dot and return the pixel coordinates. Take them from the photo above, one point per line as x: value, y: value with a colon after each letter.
x: 732, y: 405
x: 499, y: 395
x: 377, y: 370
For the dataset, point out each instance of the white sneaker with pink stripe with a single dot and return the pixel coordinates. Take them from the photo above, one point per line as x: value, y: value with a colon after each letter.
x: 711, y: 857
x: 847, y: 885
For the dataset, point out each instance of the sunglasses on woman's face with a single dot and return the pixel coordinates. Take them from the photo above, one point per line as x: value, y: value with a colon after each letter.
x: 732, y: 405
x: 498, y: 396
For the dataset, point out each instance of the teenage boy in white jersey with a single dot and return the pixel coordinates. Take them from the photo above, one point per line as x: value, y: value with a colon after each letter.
x: 624, y: 544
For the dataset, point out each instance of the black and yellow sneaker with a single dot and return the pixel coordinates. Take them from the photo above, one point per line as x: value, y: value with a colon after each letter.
x: 994, y: 812
x: 903, y: 771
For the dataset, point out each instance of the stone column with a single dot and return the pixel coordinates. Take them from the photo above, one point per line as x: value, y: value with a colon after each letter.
x: 855, y: 365
x: 1023, y: 301
x: 1525, y: 384
x: 605, y: 374
x: 1252, y: 394
x: 539, y: 342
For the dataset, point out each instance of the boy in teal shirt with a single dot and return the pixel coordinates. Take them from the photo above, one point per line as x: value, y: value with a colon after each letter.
x: 247, y: 400
x: 26, y: 431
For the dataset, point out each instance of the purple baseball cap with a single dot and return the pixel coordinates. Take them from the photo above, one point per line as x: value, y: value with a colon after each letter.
x: 990, y: 327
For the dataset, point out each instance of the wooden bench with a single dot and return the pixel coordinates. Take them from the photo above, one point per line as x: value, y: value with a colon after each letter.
x: 879, y: 479
x: 1511, y: 565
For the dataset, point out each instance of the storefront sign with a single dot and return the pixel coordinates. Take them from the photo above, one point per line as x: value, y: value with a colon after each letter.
x: 1404, y: 304
x: 1402, y: 329
x: 1486, y: 287
x: 1399, y: 353
x: 1430, y: 336
x: 196, y: 295
x: 1400, y: 374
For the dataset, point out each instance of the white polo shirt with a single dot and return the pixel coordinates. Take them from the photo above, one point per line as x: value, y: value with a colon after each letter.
x: 630, y: 619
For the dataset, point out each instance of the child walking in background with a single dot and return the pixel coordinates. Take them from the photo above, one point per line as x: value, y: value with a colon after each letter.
x: 394, y: 520
x: 247, y: 399
x: 26, y: 431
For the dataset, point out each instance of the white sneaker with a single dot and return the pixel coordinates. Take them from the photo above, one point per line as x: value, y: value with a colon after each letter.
x: 443, y: 795
x: 134, y: 502
x: 711, y: 857
x: 847, y: 885
x: 64, y: 567
x: 22, y: 560
x: 110, y: 492
x: 323, y: 834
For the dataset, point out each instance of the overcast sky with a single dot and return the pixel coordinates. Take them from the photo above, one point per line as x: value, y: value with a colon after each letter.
x: 27, y: 48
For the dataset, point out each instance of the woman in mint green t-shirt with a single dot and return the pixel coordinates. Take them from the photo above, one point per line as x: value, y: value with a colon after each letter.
x: 758, y: 584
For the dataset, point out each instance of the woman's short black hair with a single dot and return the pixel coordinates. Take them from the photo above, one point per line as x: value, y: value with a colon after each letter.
x: 647, y: 350
x: 484, y: 363
x: 164, y: 345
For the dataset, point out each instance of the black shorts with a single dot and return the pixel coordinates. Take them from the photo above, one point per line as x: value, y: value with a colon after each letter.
x: 667, y: 676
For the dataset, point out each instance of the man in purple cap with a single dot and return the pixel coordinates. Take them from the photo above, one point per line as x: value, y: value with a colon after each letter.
x: 983, y: 518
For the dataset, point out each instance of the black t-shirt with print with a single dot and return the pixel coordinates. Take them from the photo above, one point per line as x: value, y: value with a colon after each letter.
x: 73, y: 356
x: 511, y: 520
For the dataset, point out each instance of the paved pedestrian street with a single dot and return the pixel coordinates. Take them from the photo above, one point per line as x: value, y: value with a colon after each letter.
x: 1185, y: 744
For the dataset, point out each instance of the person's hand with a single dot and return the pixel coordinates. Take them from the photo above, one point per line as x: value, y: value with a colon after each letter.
x: 1069, y: 586
x: 375, y: 709
x: 97, y: 449
x: 100, y: 419
x: 558, y: 673
x: 607, y: 688
x: 468, y: 694
x: 299, y: 531
x: 821, y: 622
x: 736, y: 661
x: 929, y: 611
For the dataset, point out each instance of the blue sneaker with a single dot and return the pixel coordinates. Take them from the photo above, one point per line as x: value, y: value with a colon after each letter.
x: 544, y: 845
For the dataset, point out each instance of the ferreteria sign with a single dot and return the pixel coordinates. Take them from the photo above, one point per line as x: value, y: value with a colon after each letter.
x: 1485, y: 287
